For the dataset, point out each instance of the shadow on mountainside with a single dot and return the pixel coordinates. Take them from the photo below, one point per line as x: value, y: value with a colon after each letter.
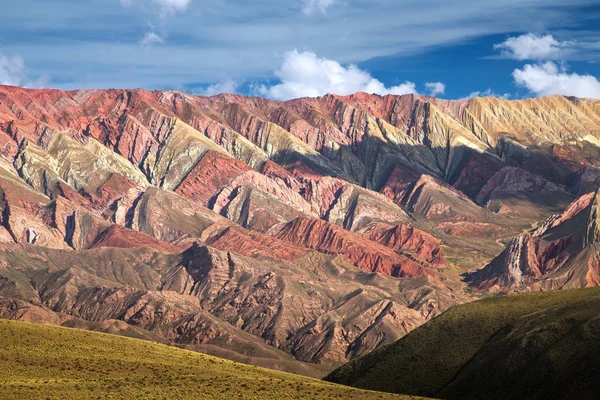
x: 516, y: 179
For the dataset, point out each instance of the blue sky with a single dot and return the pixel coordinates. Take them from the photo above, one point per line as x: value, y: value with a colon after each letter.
x: 288, y: 48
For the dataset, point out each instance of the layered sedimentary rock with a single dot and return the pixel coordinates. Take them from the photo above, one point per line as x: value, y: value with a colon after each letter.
x: 408, y: 239
x: 118, y: 236
x: 318, y: 308
x: 515, y: 191
x: 564, y: 252
x: 271, y: 226
x: 366, y: 254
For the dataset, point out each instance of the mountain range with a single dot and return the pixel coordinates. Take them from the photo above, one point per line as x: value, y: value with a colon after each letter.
x: 293, y: 235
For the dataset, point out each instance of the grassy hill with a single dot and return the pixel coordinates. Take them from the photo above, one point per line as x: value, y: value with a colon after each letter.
x: 537, y: 346
x: 49, y: 362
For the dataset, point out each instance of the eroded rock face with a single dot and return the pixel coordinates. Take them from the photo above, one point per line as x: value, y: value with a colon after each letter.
x: 365, y: 254
x: 513, y: 191
x: 118, y: 236
x: 213, y: 172
x: 479, y: 169
x: 561, y: 253
x: 433, y: 199
x: 408, y: 239
x: 252, y: 244
x: 301, y: 307
x: 239, y: 220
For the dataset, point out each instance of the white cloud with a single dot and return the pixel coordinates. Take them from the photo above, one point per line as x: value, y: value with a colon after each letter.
x: 306, y: 75
x: 229, y: 86
x: 534, y: 47
x: 170, y: 7
x: 313, y: 6
x: 178, y: 5
x: 486, y: 93
x: 435, y: 88
x: 151, y: 38
x: 549, y: 79
x: 166, y: 6
x: 242, y: 39
x: 12, y: 70
x: 166, y: 10
x: 13, y: 73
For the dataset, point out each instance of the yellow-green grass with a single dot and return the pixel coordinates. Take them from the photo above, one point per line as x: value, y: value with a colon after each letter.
x: 48, y: 362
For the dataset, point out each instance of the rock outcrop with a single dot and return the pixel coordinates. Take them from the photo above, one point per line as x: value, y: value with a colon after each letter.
x: 365, y: 254
x: 562, y: 253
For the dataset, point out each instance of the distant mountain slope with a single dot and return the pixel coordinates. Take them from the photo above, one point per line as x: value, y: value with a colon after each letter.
x: 51, y: 362
x: 535, y: 346
x: 563, y: 252
x: 318, y: 308
x: 228, y: 216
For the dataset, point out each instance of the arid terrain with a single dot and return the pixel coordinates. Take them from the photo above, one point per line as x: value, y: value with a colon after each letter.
x: 292, y: 235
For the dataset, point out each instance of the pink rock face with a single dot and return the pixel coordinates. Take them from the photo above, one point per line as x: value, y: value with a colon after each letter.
x: 283, y: 176
x: 436, y: 200
x: 329, y: 120
x: 127, y: 136
x: 253, y: 244
x: 577, y: 206
x: 68, y: 193
x: 212, y: 173
x: 567, y: 158
x: 114, y: 188
x: 319, y: 190
x: 476, y: 173
x: 118, y: 236
x: 406, y: 238
x: 365, y: 254
x: 592, y: 278
x: 398, y: 183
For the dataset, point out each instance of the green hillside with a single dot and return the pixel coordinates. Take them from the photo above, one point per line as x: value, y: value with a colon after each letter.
x: 49, y: 362
x: 538, y: 346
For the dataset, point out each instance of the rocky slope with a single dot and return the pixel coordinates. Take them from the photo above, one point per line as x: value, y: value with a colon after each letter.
x: 563, y: 252
x: 318, y: 308
x: 317, y: 228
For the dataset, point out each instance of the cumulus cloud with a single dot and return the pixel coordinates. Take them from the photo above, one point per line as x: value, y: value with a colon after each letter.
x: 229, y: 86
x: 13, y: 73
x: 486, y: 93
x: 550, y: 79
x: 534, y: 47
x: 314, y: 6
x: 303, y: 74
x: 435, y: 88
